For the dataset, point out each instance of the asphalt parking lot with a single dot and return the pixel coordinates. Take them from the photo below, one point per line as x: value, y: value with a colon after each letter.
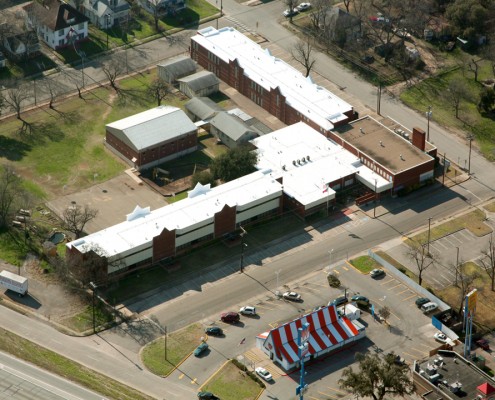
x: 410, y: 333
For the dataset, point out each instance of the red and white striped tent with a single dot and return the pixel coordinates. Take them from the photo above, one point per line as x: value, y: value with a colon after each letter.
x: 327, y: 332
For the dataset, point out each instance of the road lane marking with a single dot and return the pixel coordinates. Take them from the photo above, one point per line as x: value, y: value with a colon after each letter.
x: 194, y: 381
x: 329, y: 395
x: 336, y: 272
x: 181, y: 376
x: 267, y: 308
x: 347, y: 269
x: 336, y: 390
x: 319, y: 284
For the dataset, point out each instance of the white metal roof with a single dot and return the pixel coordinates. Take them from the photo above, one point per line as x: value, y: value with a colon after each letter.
x: 307, y: 161
x: 150, y: 127
x: 142, y: 225
x: 314, y: 102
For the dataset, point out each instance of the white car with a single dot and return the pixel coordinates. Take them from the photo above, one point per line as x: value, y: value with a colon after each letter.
x: 292, y: 296
x: 303, y: 6
x: 440, y: 337
x: 264, y: 374
x: 288, y: 13
x: 247, y: 310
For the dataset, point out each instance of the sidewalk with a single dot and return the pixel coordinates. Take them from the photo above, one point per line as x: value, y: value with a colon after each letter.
x: 97, y: 354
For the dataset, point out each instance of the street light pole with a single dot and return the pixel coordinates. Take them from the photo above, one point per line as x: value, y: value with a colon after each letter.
x: 302, y: 346
x: 242, y: 248
x: 428, y: 115
x: 93, y: 288
x: 376, y: 195
x: 429, y: 231
x: 107, y: 22
x: 470, y: 138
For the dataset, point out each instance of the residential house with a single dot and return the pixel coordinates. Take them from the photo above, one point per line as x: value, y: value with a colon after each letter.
x: 152, y: 137
x: 175, y: 68
x: 163, y: 7
x: 341, y: 26
x: 200, y: 84
x: 231, y: 130
x: 104, y: 13
x: 202, y: 109
x: 18, y: 42
x: 57, y: 23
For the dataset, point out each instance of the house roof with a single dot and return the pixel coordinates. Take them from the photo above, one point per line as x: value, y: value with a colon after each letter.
x: 326, y: 330
x: 179, y: 66
x: 310, y: 100
x: 54, y: 14
x: 382, y: 145
x: 203, y: 107
x: 486, y: 389
x: 255, y: 124
x: 230, y: 125
x: 151, y: 127
x: 340, y: 19
x: 199, y: 208
x: 101, y: 7
x: 200, y: 80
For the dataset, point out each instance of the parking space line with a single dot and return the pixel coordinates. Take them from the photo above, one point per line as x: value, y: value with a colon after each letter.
x: 414, y: 357
x: 181, y: 376
x: 329, y: 395
x: 424, y: 345
x: 314, y: 398
x: 420, y: 351
x: 410, y: 297
x: 194, y: 381
x: 319, y: 284
x: 393, y: 287
x: 337, y: 390
x: 336, y: 271
x: 405, y: 290
x: 264, y: 307
x: 385, y: 283
x: 347, y: 269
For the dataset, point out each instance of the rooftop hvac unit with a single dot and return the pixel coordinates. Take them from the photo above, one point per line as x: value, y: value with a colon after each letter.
x: 303, y: 159
x: 284, y: 167
x: 294, y: 162
x: 307, y: 158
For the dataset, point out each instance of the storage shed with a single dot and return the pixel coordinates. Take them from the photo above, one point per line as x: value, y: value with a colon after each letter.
x: 203, y: 83
x: 201, y: 109
x: 231, y: 130
x: 175, y: 68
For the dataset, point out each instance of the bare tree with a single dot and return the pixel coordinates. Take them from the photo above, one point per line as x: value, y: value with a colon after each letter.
x: 457, y: 91
x: 465, y: 284
x: 156, y: 11
x: 159, y: 90
x: 346, y: 4
x: 302, y: 52
x: 318, y: 15
x: 112, y: 70
x: 76, y: 217
x: 292, y: 5
x: 15, y: 96
x: 91, y: 265
x: 473, y: 67
x: 384, y: 313
x: 10, y: 193
x: 53, y: 88
x: 487, y: 261
x: 419, y: 254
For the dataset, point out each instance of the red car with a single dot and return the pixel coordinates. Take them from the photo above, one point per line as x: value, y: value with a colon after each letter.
x: 230, y: 317
x: 484, y: 344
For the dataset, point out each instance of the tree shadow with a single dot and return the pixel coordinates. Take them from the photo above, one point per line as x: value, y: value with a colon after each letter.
x: 12, y: 149
x: 39, y: 132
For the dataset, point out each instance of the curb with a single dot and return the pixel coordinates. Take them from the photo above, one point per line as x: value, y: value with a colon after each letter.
x: 350, y: 265
x: 212, y: 375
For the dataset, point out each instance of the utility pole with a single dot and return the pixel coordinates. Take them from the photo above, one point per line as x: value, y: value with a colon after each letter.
x: 443, y: 177
x: 93, y: 288
x: 429, y: 231
x: 379, y: 98
x: 470, y: 138
x: 165, y: 331
x: 428, y: 115
x: 107, y: 22
x: 242, y: 248
x: 376, y: 195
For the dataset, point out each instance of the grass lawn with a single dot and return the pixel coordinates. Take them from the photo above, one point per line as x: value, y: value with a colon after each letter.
x: 53, y: 362
x: 13, y: 248
x: 398, y: 265
x: 432, y: 92
x: 180, y: 344
x: 472, y: 221
x: 365, y: 264
x: 486, y: 298
x: 229, y: 383
x: 490, y: 207
x: 84, y: 320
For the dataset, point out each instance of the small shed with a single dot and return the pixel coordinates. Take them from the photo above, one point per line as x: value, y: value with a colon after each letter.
x: 201, y: 109
x: 175, y: 68
x: 203, y: 83
x: 231, y: 130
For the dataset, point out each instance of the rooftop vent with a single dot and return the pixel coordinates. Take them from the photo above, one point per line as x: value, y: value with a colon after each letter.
x: 307, y: 158
x: 284, y: 167
x: 381, y: 144
x: 294, y: 162
x: 361, y: 130
x: 402, y: 158
x: 303, y: 159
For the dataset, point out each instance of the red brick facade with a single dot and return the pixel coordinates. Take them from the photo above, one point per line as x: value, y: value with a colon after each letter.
x: 164, y: 245
x: 225, y: 221
x: 159, y: 151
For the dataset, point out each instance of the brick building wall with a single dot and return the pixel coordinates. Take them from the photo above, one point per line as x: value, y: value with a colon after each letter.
x: 164, y: 245
x: 225, y: 221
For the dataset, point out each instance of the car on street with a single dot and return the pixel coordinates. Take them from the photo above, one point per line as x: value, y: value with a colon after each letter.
x: 290, y: 13
x: 292, y: 296
x: 376, y: 273
x: 484, y: 344
x: 230, y: 317
x: 338, y: 301
x: 200, y: 349
x: 422, y: 300
x: 207, y: 396
x: 214, y: 331
x: 361, y: 300
x: 440, y: 337
x: 247, y: 310
x: 264, y: 374
x: 303, y: 6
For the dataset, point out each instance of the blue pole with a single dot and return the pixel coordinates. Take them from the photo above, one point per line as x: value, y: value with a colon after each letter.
x: 300, y: 347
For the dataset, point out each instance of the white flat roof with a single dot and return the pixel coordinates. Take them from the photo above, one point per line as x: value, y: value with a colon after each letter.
x: 314, y: 102
x: 142, y: 225
x: 307, y: 161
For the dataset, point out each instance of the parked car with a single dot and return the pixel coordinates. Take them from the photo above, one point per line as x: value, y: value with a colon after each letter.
x: 200, y: 349
x: 214, y: 331
x: 361, y: 300
x: 422, y: 300
x: 338, y: 301
x: 264, y: 374
x: 207, y: 396
x: 247, y: 310
x: 292, y: 296
x: 303, y: 6
x: 230, y: 317
x: 290, y: 13
x: 376, y: 273
x: 429, y: 307
x: 484, y: 344
x: 440, y: 337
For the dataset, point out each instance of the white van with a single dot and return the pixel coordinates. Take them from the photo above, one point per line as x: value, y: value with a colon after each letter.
x: 428, y: 307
